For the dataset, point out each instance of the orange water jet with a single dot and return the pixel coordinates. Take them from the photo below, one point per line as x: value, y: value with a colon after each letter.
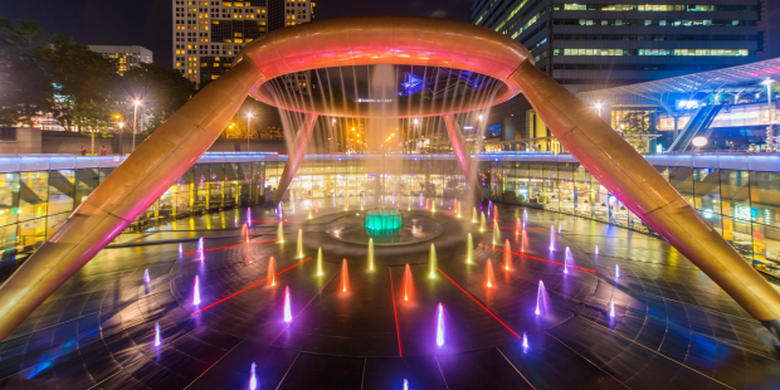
x: 408, y: 283
x: 489, y: 273
x: 272, y: 271
x: 507, y: 256
x: 344, y: 277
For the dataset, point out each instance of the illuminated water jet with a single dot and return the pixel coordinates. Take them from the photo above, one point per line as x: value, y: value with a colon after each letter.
x: 319, y: 262
x: 525, y: 342
x: 542, y: 301
x: 271, y: 275
x: 617, y: 271
x: 248, y: 217
x: 200, y: 249
x: 427, y: 204
x: 496, y: 233
x: 560, y: 227
x: 552, y: 237
x: 334, y: 200
x: 253, y: 377
x: 421, y: 199
x: 525, y: 217
x: 482, y: 222
x: 469, y: 249
x: 440, y: 325
x: 157, y: 336
x: 489, y: 275
x: 523, y: 241
x: 346, y: 202
x: 612, y: 308
x: 495, y: 213
x: 408, y: 283
x: 147, y: 279
x: 432, y: 260
x: 433, y: 207
x: 489, y: 208
x: 280, y: 233
x: 287, y: 305
x: 181, y: 250
x: 344, y: 276
x: 196, y: 291
x: 596, y: 250
x: 410, y: 204
x: 406, y: 384
x: 300, y: 243
x: 518, y: 227
x: 370, y: 254
x: 473, y: 215
x: 507, y: 256
x: 310, y: 216
x: 568, y: 258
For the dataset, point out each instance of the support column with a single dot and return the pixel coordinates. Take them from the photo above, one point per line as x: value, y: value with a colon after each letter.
x: 296, y: 157
x: 637, y: 184
x: 463, y: 156
x: 131, y: 189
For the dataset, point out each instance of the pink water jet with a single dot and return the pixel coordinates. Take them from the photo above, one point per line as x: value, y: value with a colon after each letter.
x: 408, y: 284
x: 271, y: 275
x: 253, y: 377
x: 568, y: 259
x: 523, y: 241
x: 440, y: 325
x: 489, y: 275
x: 147, y: 279
x: 542, y: 301
x: 507, y: 256
x: 344, y: 277
x: 287, y: 308
x: 196, y: 291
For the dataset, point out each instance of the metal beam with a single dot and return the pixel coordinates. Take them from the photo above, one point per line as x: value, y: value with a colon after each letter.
x: 462, y: 154
x: 296, y: 157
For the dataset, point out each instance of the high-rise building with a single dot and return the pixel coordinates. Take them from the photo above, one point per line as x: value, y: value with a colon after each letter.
x: 207, y: 35
x: 596, y: 43
x: 127, y: 57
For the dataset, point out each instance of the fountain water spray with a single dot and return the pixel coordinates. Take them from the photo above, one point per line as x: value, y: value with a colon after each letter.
x: 346, y: 202
x: 469, y: 249
x: 440, y: 325
x: 489, y: 275
x: 482, y: 222
x: 507, y: 256
x: 300, y: 243
x: 408, y: 286
x: 612, y: 308
x: 181, y: 250
x: 310, y: 216
x: 473, y: 215
x: 248, y: 217
x: 253, y: 377
x: 317, y: 206
x: 560, y: 227
x: 568, y: 258
x: 489, y: 208
x: 542, y: 302
x: 552, y: 237
x: 280, y: 232
x: 370, y: 254
x: 617, y: 271
x: 523, y: 241
x: 432, y: 260
x: 271, y: 275
x: 319, y: 262
x: 364, y: 199
x: 427, y: 204
x: 196, y: 291
x: 200, y: 249
x: 421, y: 199
x: 495, y: 213
x: 246, y: 233
x: 147, y: 279
x: 292, y: 205
x: 518, y: 227
x: 525, y: 217
x: 287, y: 308
x: 406, y: 384
x: 334, y: 200
x: 410, y: 204
x: 496, y: 233
x: 344, y: 276
x: 596, y: 250
x: 157, y: 336
x: 525, y: 342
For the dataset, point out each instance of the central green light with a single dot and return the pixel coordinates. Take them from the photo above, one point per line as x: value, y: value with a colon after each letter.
x: 383, y: 221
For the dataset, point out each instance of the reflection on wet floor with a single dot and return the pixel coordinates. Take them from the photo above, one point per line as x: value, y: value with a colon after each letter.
x: 603, y: 307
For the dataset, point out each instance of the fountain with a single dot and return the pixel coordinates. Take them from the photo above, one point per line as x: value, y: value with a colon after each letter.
x: 440, y: 325
x: 406, y: 384
x: 518, y: 227
x: 344, y: 276
x: 489, y: 208
x: 334, y: 200
x: 433, y: 207
x: 196, y: 291
x: 421, y: 199
x: 248, y: 217
x: 280, y: 232
x: 408, y: 283
x: 495, y: 213
x: 410, y: 204
x: 157, y: 336
x: 473, y: 215
x: 457, y: 207
x: 246, y: 233
x: 552, y: 237
x: 596, y: 250
x: 271, y: 275
x: 383, y: 221
x: 542, y: 300
x: 496, y: 233
x: 611, y: 307
x: 432, y: 260
x: 319, y: 262
x: 200, y: 249
x: 489, y: 275
x: 370, y: 254
x: 507, y: 256
x: 617, y: 271
x: 147, y: 279
x: 287, y: 309
x: 253, y: 377
x: 560, y: 227
x: 523, y: 241
x: 568, y: 258
x: 469, y: 249
x: 346, y: 202
x: 310, y: 216
x: 300, y: 243
x: 482, y: 222
x: 525, y: 217
x: 525, y: 342
x: 181, y: 250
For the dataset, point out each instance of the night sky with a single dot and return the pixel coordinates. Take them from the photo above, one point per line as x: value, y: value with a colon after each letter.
x: 148, y: 22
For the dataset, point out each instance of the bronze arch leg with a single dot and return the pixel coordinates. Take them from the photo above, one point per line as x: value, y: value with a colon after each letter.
x: 134, y: 186
x: 462, y: 154
x: 627, y: 175
x: 299, y: 150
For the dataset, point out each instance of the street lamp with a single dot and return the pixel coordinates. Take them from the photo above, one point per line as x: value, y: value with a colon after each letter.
x: 249, y: 116
x: 598, y: 108
x: 136, y: 104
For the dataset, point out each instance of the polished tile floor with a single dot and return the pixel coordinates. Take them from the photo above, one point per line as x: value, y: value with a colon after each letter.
x: 672, y: 329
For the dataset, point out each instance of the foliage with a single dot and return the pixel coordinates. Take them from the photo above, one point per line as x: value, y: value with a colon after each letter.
x: 162, y: 91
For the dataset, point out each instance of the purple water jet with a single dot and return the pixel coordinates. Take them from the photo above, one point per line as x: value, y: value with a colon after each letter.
x: 542, y: 301
x: 196, y: 291
x: 157, y: 336
x: 440, y: 325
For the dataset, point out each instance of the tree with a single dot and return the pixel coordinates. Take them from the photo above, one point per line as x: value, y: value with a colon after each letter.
x: 163, y: 91
x: 25, y: 83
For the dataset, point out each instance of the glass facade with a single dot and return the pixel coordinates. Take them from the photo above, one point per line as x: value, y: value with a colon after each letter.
x: 740, y: 203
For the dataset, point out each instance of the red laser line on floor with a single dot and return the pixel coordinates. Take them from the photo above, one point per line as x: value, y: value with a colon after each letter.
x: 233, y: 246
x: 249, y: 287
x: 538, y: 259
x: 479, y: 303
x: 395, y: 312
x: 304, y: 308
